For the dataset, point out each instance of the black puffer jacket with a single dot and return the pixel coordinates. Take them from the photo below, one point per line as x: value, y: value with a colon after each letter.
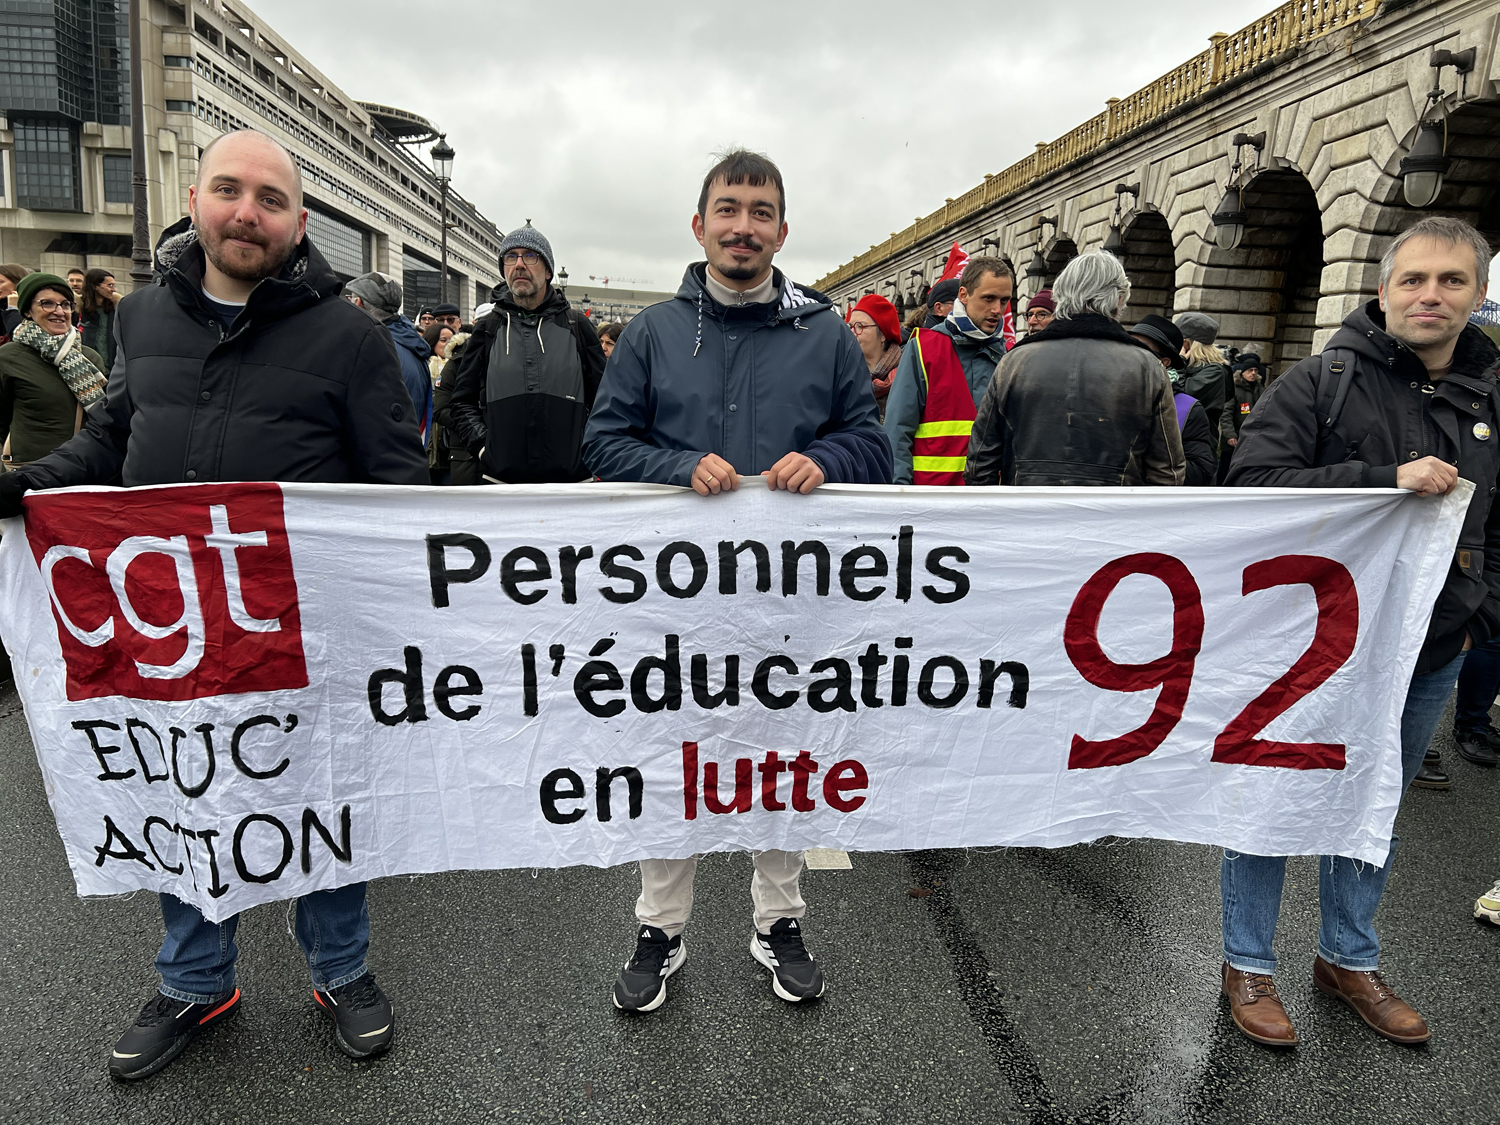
x: 524, y: 388
x: 303, y: 387
x: 1082, y: 402
x: 1393, y: 415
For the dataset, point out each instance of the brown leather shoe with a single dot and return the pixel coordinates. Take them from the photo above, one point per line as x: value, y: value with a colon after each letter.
x: 1374, y: 1002
x: 1256, y: 1009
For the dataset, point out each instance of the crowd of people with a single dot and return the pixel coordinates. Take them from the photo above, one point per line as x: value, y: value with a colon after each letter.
x: 748, y: 376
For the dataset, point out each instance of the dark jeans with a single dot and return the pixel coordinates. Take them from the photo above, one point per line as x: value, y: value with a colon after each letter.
x: 1348, y: 891
x: 197, y: 956
x: 1478, y: 684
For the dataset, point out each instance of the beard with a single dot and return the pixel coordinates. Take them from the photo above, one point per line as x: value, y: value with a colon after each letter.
x: 734, y: 270
x: 240, y: 264
x: 522, y: 286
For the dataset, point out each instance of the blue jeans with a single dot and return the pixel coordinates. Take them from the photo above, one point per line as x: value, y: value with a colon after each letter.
x: 1348, y: 891
x: 1478, y: 685
x: 197, y: 956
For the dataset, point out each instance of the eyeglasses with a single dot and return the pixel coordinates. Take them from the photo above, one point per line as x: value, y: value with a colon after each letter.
x: 530, y: 257
x: 47, y: 305
x: 1037, y: 314
x: 858, y: 329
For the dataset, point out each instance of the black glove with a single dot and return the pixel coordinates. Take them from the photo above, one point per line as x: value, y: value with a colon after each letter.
x: 12, y: 487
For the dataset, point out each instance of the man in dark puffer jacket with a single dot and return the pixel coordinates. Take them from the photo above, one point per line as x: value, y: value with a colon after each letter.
x: 241, y: 363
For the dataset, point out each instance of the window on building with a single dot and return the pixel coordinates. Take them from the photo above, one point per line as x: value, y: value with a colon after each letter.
x: 286, y: 91
x: 185, y: 62
x: 419, y: 282
x: 207, y: 31
x: 175, y: 105
x: 46, y: 156
x: 117, y: 187
x: 263, y: 73
x: 237, y: 53
x: 346, y: 246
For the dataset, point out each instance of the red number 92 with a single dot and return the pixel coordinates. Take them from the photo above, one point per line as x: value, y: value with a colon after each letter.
x: 1332, y: 645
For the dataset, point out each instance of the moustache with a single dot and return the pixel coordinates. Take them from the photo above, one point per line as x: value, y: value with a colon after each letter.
x: 244, y: 234
x: 744, y: 240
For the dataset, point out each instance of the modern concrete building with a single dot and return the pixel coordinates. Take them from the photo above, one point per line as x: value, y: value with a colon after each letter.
x: 210, y: 67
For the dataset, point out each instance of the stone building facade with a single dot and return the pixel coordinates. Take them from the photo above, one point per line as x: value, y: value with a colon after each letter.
x: 1337, y: 87
x: 209, y: 67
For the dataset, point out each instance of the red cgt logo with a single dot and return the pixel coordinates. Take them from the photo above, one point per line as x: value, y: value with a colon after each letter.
x: 179, y: 593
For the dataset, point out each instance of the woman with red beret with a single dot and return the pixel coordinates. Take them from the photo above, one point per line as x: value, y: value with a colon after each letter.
x: 877, y: 326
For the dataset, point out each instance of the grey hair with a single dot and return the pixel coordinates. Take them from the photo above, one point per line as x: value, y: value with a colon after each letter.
x: 1093, y: 282
x: 1440, y: 228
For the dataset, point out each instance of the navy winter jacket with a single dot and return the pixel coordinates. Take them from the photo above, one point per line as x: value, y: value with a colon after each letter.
x: 690, y: 377
x: 413, y: 353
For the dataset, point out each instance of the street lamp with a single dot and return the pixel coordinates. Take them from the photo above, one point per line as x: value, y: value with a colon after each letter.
x: 1424, y: 167
x: 140, y: 225
x: 1229, y: 218
x: 1036, y: 269
x: 442, y: 168
x: 1114, y: 241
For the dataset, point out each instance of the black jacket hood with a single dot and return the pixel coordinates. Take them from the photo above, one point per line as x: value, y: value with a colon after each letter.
x: 304, y: 279
x: 1364, y: 333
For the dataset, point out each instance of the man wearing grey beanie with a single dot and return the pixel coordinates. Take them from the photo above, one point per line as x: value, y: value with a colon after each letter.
x: 526, y: 380
x: 380, y: 296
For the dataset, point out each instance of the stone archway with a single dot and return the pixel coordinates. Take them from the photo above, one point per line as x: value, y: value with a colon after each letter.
x: 1364, y: 221
x: 1149, y: 261
x: 1265, y: 292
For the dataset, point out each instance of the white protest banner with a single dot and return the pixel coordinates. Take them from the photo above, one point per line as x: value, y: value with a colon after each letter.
x: 245, y: 692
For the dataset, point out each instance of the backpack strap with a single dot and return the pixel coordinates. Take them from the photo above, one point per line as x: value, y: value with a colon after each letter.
x: 1336, y: 369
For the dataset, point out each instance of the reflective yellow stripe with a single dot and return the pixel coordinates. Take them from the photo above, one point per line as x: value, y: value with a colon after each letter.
x: 938, y: 464
x: 945, y: 429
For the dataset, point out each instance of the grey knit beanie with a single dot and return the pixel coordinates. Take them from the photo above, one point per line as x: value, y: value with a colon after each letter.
x: 1197, y: 326
x: 528, y: 238
x: 381, y: 295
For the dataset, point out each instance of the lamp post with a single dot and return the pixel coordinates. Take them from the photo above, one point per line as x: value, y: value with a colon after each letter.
x: 140, y: 227
x: 1114, y: 241
x: 1229, y: 218
x: 1423, y: 168
x: 442, y: 168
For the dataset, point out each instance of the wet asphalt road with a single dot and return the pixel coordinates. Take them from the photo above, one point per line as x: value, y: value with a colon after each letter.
x: 1032, y: 986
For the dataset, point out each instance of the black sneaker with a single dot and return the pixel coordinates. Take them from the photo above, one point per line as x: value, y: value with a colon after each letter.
x: 361, y: 1013
x: 642, y: 984
x: 161, y: 1032
x: 1432, y: 775
x: 794, y: 974
x: 1478, y: 745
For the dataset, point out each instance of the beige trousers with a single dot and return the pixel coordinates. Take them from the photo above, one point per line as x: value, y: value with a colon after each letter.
x: 667, y: 891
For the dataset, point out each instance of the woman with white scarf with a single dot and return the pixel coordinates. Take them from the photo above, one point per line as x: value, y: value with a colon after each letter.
x: 47, y: 376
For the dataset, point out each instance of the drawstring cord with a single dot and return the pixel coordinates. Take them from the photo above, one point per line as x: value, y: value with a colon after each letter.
x: 539, y: 336
x: 507, y: 333
x: 699, y: 342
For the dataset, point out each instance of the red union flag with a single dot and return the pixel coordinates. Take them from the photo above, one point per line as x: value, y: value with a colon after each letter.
x: 957, y: 260
x: 184, y: 593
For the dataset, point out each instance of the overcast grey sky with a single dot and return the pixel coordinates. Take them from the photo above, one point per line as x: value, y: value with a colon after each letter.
x: 597, y: 121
